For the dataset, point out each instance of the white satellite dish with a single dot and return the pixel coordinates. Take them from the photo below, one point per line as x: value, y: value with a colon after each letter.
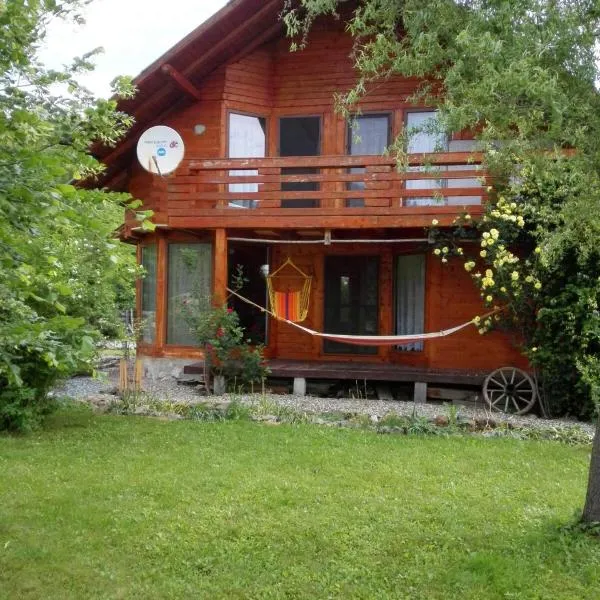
x: 160, y: 149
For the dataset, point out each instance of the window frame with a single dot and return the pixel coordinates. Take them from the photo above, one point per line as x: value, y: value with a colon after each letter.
x: 140, y: 293
x: 360, y: 202
x: 232, y: 111
x: 170, y: 243
x: 410, y: 111
x: 370, y: 114
x: 245, y: 113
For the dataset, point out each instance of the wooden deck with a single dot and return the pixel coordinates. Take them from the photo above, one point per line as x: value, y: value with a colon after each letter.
x: 363, y: 371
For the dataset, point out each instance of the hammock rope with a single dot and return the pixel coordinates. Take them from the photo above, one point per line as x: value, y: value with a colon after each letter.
x: 366, y: 340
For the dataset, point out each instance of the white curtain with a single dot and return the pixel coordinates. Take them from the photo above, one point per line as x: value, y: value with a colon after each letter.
x: 410, y: 298
x: 247, y: 139
x: 423, y: 137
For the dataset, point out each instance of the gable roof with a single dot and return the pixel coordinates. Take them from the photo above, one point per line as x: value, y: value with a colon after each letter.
x: 235, y: 30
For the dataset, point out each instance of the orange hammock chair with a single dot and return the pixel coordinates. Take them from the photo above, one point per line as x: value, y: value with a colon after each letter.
x: 289, y: 292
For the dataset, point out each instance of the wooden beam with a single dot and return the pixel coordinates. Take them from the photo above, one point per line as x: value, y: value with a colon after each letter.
x: 182, y: 81
x: 161, y: 292
x: 336, y: 161
x: 220, y: 49
x: 220, y: 262
x: 320, y: 220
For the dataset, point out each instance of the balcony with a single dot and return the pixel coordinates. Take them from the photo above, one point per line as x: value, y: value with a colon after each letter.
x: 322, y: 191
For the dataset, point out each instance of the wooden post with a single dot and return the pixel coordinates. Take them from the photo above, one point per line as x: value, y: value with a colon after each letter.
x: 161, y: 293
x: 221, y: 273
x: 123, y: 376
x: 386, y: 310
x: 138, y: 375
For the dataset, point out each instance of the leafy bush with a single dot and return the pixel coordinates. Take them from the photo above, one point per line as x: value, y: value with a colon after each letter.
x: 228, y: 353
x: 539, y: 260
x: 62, y: 274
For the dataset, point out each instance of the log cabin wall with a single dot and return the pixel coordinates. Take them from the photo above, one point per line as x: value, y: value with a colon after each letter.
x: 272, y: 82
x: 210, y: 144
x: 450, y: 299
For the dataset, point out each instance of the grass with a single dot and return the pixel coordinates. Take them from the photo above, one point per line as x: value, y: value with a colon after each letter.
x: 123, y: 507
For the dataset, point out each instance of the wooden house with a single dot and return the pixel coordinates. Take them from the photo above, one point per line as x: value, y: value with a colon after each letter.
x: 272, y: 172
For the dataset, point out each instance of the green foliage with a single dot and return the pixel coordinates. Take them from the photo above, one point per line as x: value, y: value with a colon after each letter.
x: 237, y: 411
x: 540, y: 262
x: 63, y: 276
x: 219, y: 332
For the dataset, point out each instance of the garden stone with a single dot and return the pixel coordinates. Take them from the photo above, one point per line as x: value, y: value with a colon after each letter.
x: 219, y: 385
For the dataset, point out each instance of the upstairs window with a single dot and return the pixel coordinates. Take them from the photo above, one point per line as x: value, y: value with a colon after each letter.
x: 368, y: 135
x: 247, y: 139
x: 422, y: 133
x: 424, y: 138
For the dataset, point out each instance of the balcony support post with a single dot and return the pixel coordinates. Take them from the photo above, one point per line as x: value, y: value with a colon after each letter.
x: 220, y: 262
x: 161, y: 291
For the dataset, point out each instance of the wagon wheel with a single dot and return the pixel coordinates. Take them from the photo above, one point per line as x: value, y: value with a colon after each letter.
x: 510, y: 390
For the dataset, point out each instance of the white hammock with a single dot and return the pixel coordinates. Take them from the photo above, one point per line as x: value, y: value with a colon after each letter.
x: 365, y: 340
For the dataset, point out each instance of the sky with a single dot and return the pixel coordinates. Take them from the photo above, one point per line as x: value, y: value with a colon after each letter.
x: 133, y: 33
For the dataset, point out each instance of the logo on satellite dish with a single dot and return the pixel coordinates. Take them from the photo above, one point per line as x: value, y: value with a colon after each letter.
x: 152, y: 150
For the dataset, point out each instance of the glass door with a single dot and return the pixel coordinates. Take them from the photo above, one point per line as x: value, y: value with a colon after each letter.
x: 299, y: 136
x: 351, y: 300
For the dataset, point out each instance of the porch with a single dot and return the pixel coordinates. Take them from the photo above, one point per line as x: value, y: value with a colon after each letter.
x: 302, y: 370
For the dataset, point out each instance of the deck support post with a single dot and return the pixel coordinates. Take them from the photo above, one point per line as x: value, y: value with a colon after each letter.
x: 220, y: 260
x: 420, y: 396
x: 161, y: 292
x: 299, y: 386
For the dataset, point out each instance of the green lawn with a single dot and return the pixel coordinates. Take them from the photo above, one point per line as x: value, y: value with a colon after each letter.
x: 122, y: 507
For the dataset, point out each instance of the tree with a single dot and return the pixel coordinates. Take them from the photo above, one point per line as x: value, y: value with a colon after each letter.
x: 521, y: 75
x: 60, y: 265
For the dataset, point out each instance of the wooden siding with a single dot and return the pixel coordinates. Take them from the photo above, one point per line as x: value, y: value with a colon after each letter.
x: 272, y: 82
x: 450, y: 299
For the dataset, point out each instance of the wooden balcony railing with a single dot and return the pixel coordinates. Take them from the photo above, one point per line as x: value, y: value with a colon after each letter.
x: 319, y: 191
x: 326, y: 182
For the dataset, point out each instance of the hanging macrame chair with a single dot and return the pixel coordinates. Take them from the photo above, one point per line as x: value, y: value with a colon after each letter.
x: 289, y: 292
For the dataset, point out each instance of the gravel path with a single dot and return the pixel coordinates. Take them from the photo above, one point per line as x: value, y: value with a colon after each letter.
x: 168, y: 389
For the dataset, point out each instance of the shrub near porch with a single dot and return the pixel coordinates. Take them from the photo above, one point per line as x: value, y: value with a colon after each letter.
x: 111, y: 507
